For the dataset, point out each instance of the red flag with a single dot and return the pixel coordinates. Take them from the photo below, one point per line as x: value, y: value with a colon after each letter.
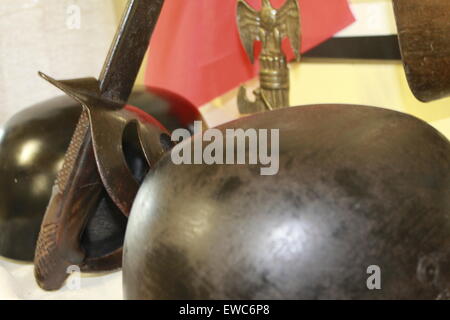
x: 196, y: 50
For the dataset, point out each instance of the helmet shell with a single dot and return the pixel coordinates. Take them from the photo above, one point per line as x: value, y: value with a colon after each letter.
x: 424, y: 37
x: 32, y: 148
x: 358, y: 188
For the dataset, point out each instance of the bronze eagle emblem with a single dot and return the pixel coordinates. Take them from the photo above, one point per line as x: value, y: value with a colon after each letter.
x: 270, y: 26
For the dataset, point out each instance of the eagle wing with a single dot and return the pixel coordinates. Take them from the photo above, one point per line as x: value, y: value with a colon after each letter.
x: 288, y: 18
x: 248, y: 21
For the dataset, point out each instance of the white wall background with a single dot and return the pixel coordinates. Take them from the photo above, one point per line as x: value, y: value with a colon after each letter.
x: 42, y: 35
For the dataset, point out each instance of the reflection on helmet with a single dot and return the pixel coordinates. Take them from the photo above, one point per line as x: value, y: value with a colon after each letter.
x: 32, y: 147
x: 358, y: 188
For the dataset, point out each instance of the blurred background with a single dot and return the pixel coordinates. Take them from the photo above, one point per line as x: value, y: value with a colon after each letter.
x: 380, y: 83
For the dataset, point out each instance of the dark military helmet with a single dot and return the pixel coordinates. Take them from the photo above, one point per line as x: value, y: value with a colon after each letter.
x: 32, y: 148
x: 361, y: 201
x: 424, y: 35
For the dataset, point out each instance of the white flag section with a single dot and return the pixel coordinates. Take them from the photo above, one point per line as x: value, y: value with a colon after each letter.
x: 373, y: 18
x: 63, y: 38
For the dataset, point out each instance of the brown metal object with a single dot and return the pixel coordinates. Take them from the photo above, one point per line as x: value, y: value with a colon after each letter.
x: 95, y: 157
x: 270, y: 26
x: 357, y: 186
x: 32, y: 148
x: 424, y: 34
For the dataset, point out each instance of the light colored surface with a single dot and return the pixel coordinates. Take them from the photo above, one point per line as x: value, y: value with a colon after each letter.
x: 17, y: 282
x: 34, y: 36
x: 372, y: 18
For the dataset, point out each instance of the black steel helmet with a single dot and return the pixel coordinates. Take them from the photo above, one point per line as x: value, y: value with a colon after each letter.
x: 359, y: 209
x: 32, y: 147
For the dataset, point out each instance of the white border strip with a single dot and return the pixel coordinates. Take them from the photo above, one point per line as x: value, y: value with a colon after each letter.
x: 372, y: 19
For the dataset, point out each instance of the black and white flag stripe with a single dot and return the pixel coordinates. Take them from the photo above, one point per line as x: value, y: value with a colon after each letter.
x: 372, y: 36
